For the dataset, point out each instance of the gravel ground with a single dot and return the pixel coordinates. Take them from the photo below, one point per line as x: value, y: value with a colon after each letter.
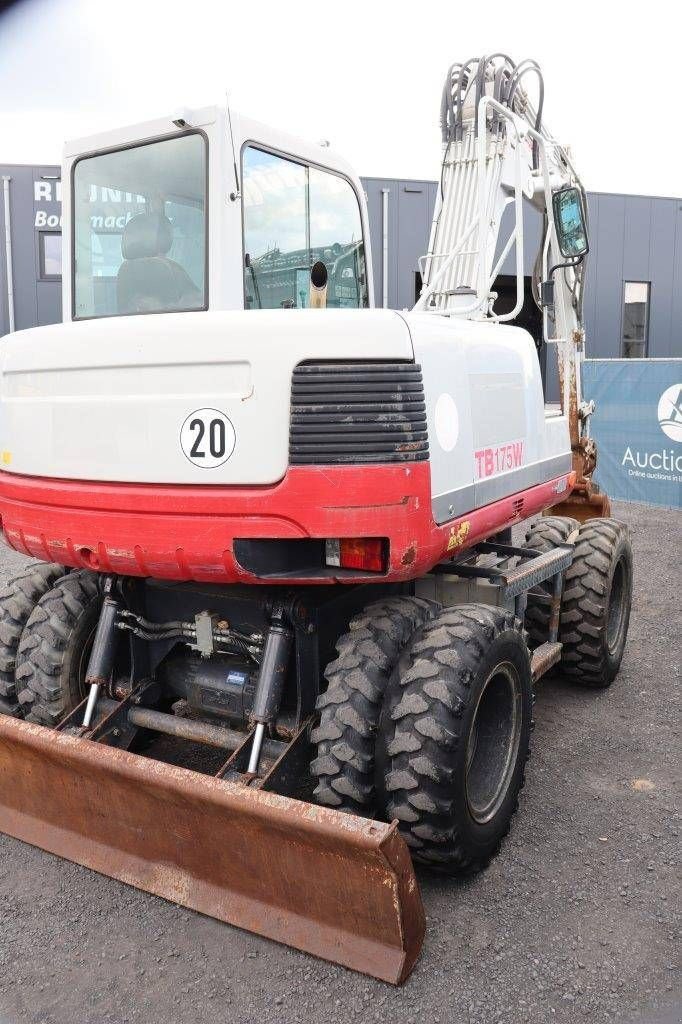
x: 574, y: 921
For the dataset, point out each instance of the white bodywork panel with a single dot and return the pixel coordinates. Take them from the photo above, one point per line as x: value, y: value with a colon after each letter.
x: 488, y: 433
x: 106, y: 399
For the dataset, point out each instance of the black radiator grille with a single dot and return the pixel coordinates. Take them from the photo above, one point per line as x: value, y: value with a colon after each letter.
x: 357, y: 412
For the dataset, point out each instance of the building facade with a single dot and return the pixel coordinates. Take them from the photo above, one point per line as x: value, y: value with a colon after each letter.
x: 633, y: 299
x: 30, y: 244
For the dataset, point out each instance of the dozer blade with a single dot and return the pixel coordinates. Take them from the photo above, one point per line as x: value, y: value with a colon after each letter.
x: 340, y: 887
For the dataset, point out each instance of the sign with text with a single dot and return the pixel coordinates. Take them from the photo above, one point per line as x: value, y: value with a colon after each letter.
x: 637, y: 425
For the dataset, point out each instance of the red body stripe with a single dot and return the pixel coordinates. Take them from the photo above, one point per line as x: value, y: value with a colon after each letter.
x: 184, y: 532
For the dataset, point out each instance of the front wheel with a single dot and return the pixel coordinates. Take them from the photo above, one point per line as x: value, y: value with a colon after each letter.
x: 595, y: 608
x: 454, y: 737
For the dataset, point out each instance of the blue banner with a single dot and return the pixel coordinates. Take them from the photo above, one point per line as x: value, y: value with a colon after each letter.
x: 637, y: 425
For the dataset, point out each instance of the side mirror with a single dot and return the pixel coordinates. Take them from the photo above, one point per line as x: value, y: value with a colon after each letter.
x: 569, y: 222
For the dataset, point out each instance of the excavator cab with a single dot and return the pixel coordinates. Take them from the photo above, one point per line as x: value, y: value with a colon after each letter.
x: 209, y: 211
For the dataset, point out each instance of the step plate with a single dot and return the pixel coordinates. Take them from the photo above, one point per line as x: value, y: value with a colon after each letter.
x: 544, y: 658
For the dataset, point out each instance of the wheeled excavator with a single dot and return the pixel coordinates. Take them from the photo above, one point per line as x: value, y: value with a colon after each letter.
x: 276, y: 645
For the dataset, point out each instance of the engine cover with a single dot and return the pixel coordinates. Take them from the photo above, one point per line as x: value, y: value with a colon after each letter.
x: 176, y: 398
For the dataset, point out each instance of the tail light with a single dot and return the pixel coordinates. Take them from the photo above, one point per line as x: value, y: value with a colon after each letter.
x: 368, y: 554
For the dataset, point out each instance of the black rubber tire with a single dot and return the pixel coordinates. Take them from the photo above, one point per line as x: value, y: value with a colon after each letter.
x: 51, y: 660
x: 595, y: 609
x: 350, y: 706
x: 10, y: 707
x: 423, y: 747
x: 544, y: 535
x: 18, y: 597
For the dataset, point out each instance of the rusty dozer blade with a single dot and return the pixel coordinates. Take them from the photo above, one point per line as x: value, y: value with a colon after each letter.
x: 340, y: 887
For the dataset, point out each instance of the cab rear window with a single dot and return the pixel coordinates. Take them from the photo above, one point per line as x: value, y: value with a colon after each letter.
x: 139, y: 236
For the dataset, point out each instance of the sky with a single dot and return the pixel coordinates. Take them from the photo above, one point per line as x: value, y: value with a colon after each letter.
x: 364, y: 74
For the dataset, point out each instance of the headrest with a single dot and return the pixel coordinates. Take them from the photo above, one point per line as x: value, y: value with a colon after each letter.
x: 147, y: 234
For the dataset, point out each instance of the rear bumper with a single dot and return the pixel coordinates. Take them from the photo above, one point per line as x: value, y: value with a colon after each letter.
x: 181, y: 532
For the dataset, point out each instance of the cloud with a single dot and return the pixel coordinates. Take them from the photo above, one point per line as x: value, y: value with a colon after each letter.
x: 367, y: 76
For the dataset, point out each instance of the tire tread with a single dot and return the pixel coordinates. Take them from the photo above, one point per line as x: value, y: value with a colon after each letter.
x: 583, y: 609
x: 422, y: 731
x: 42, y: 653
x: 544, y: 535
x: 350, y: 707
x: 19, y: 595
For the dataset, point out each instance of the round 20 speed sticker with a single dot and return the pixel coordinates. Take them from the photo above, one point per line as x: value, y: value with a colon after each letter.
x: 207, y: 438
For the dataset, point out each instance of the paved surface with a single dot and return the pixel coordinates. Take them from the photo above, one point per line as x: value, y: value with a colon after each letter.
x: 574, y: 921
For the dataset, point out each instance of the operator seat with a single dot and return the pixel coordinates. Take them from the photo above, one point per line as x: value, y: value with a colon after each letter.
x: 147, y: 280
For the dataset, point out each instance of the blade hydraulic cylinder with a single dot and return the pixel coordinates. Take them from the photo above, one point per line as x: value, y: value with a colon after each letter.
x: 268, y: 697
x: 102, y: 655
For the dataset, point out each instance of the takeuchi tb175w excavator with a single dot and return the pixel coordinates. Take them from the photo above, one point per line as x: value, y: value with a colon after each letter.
x: 276, y: 643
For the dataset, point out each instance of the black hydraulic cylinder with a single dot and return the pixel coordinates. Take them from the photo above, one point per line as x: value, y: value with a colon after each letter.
x: 103, y: 652
x: 101, y: 661
x: 273, y: 671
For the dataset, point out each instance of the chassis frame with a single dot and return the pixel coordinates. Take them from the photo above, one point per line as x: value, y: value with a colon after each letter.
x: 117, y: 709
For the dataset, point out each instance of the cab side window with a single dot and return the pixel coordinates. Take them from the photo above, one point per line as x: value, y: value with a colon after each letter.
x: 295, y: 216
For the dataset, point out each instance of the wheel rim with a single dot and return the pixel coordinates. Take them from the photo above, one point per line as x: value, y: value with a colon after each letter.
x: 616, y: 612
x: 493, y: 742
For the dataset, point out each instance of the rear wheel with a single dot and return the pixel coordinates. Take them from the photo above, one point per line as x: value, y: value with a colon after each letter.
x: 54, y: 649
x: 18, y: 597
x: 350, y: 706
x: 595, y: 610
x: 454, y: 737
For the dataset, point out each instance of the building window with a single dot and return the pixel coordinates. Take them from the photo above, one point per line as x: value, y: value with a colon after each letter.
x: 50, y: 251
x: 295, y: 216
x: 636, y: 319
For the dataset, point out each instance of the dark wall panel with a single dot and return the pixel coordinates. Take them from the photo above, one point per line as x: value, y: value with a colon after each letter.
x: 49, y: 302
x: 591, y: 291
x: 675, y: 336
x: 23, y: 258
x: 36, y: 302
x: 636, y: 238
x: 373, y: 191
x: 608, y: 277
x: 415, y: 209
x: 665, y: 235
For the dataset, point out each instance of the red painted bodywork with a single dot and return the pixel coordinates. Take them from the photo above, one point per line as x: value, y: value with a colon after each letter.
x: 182, y: 532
